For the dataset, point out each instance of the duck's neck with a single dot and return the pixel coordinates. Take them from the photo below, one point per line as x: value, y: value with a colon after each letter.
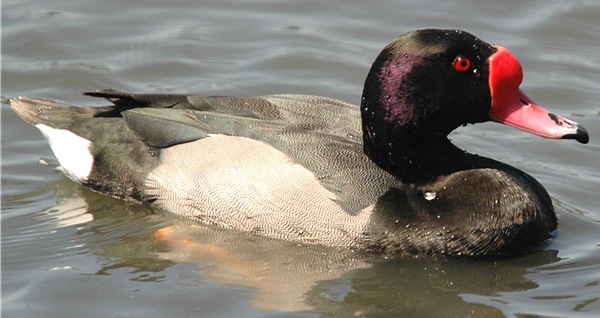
x: 414, y: 158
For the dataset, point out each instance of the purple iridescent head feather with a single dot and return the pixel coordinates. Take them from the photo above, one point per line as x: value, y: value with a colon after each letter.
x: 393, y: 76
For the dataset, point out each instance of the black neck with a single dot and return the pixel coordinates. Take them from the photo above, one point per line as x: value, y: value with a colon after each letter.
x: 414, y: 158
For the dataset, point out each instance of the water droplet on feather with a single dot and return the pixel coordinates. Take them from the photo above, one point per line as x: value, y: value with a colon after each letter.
x: 429, y: 195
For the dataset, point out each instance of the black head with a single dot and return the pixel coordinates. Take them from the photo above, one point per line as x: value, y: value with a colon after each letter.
x: 428, y: 82
x: 422, y: 86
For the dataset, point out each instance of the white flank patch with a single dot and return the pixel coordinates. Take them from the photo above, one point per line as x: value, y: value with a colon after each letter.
x: 72, y: 151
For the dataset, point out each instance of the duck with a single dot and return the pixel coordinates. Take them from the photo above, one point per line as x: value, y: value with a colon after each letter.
x: 380, y: 177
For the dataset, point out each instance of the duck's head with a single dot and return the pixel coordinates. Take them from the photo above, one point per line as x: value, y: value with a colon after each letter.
x: 426, y: 83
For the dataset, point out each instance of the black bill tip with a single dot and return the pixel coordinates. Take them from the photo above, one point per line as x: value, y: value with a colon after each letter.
x: 580, y: 135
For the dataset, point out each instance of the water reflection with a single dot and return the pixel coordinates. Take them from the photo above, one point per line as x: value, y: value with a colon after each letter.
x: 284, y: 276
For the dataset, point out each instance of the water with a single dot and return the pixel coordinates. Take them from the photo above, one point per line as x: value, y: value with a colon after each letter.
x: 70, y: 252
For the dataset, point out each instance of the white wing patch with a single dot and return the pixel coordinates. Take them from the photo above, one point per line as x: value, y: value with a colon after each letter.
x: 72, y: 151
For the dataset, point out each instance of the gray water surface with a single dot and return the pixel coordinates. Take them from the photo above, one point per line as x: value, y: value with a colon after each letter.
x: 70, y: 252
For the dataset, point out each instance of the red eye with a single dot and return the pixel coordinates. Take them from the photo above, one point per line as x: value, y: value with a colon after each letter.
x: 462, y: 63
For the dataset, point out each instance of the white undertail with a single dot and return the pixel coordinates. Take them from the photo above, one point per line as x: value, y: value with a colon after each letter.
x: 72, y: 151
